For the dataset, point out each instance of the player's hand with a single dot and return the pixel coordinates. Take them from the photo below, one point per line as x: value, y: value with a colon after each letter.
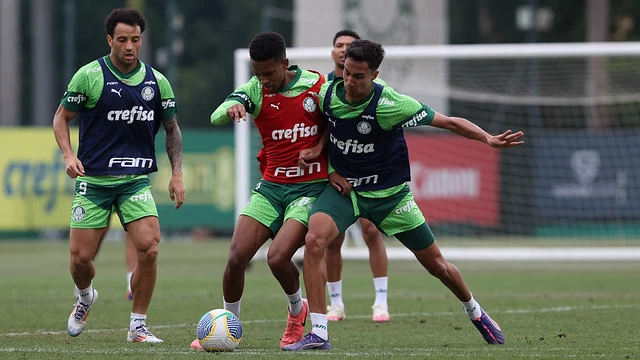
x: 176, y: 189
x: 73, y: 166
x: 506, y: 139
x: 306, y: 156
x: 340, y: 183
x: 237, y: 113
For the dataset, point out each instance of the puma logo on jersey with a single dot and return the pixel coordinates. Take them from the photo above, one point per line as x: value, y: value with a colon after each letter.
x: 276, y: 106
x: 117, y: 92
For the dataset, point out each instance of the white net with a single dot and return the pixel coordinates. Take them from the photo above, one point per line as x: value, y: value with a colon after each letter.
x: 576, y: 177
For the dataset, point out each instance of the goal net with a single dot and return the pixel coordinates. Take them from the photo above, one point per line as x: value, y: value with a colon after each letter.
x: 576, y: 177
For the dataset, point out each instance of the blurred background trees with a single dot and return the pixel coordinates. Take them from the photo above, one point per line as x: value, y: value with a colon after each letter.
x: 192, y: 42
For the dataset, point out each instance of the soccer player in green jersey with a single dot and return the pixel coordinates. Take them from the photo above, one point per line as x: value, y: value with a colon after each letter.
x: 367, y: 149
x: 121, y: 104
x: 370, y: 234
x: 283, y: 102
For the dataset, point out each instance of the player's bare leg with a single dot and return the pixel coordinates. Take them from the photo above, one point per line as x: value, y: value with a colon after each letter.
x: 83, y: 247
x: 433, y: 260
x: 378, y: 263
x: 145, y: 234
x: 131, y: 260
x: 315, y: 277
x: 290, y: 237
x: 248, y: 236
x: 333, y: 258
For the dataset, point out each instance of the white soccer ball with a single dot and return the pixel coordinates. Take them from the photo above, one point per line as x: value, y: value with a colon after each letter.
x: 219, y: 330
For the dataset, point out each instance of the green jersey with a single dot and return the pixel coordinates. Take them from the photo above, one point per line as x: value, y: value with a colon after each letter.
x: 250, y: 94
x: 394, y: 109
x: 85, y: 88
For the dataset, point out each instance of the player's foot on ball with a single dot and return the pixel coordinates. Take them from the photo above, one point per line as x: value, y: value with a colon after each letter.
x: 78, y: 318
x: 195, y: 344
x: 489, y: 329
x: 335, y: 313
x: 141, y: 334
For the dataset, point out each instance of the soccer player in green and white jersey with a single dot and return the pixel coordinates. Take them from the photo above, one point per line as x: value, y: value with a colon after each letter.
x: 367, y: 149
x: 283, y: 100
x: 372, y: 237
x: 121, y: 104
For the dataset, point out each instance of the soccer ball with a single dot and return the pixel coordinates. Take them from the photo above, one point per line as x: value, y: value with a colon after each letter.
x: 219, y: 330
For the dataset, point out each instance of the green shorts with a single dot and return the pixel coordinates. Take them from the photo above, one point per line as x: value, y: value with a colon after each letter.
x: 272, y: 204
x: 97, y: 196
x: 392, y: 215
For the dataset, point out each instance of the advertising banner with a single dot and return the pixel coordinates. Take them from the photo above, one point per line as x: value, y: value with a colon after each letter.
x: 454, y: 180
x: 37, y: 193
x: 582, y: 175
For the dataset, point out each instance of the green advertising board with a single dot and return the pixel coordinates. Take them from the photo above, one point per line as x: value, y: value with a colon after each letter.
x: 208, y: 172
x: 37, y: 193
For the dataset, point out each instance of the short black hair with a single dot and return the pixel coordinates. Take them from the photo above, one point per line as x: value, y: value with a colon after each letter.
x: 366, y: 50
x: 266, y: 46
x: 345, y: 32
x: 128, y: 16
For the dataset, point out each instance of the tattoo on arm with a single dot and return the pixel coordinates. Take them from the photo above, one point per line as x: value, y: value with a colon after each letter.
x: 173, y: 143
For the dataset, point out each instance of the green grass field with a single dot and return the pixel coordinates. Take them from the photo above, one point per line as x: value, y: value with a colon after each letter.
x: 547, y: 310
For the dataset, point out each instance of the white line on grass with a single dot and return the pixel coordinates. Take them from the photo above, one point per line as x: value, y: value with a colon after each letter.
x: 511, y: 311
x: 498, y: 253
x: 405, y: 352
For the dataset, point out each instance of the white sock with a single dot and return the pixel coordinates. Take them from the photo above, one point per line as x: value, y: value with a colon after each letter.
x: 319, y: 325
x: 129, y: 273
x: 136, y: 319
x: 295, y: 302
x: 85, y: 295
x: 335, y: 293
x: 234, y: 307
x: 380, y: 284
x: 472, y: 308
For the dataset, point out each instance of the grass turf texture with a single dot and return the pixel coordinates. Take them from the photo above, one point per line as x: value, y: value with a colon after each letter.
x: 547, y: 310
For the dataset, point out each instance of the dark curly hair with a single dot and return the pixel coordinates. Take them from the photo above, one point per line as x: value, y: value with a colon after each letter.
x: 266, y: 46
x: 345, y: 32
x: 366, y: 50
x: 128, y: 16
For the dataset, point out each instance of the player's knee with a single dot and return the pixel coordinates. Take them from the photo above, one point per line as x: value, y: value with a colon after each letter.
x: 80, y: 258
x: 315, y: 244
x: 237, y: 262
x: 147, y: 250
x: 369, y: 230
x: 277, y: 261
x: 373, y: 239
x: 439, y: 269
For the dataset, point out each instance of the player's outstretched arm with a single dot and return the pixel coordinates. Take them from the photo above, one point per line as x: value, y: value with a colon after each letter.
x: 173, y: 143
x: 472, y: 131
x: 61, y: 119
